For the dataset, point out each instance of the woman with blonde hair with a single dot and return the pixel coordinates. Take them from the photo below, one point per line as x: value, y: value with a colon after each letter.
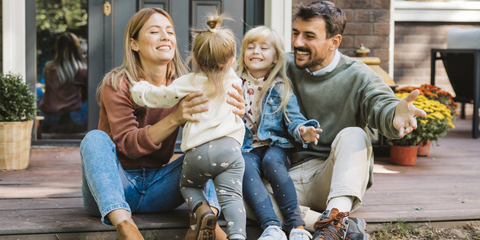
x: 64, y: 102
x: 126, y: 163
x: 211, y: 146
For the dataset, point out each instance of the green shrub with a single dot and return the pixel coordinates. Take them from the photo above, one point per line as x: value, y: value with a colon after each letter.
x: 17, y: 101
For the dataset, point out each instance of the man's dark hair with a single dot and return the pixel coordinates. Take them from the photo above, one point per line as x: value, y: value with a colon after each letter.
x: 334, y: 17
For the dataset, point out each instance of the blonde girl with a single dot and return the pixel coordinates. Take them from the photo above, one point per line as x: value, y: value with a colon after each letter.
x: 212, y: 145
x: 271, y: 111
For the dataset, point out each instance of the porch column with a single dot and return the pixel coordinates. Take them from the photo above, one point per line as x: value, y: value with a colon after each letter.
x: 14, y: 42
x: 278, y: 16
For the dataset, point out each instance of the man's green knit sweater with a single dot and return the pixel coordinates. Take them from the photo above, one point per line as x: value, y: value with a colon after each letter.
x: 352, y: 95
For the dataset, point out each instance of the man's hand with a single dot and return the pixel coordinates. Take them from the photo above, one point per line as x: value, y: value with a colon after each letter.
x: 405, y: 114
x: 310, y: 134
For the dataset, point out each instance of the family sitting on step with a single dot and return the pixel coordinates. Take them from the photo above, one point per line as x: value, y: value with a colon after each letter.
x: 252, y: 142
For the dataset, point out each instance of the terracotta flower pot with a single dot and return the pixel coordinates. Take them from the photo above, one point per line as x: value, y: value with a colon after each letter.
x: 403, y: 155
x: 424, y: 149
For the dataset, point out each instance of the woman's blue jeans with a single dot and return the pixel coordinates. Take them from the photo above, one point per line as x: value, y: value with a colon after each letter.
x: 271, y: 163
x: 107, y: 186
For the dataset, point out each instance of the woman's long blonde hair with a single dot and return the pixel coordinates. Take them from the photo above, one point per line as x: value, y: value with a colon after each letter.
x: 132, y: 68
x: 263, y: 33
x: 213, y: 53
x: 68, y: 59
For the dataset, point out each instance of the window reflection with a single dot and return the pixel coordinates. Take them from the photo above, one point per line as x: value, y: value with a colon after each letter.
x: 62, y: 31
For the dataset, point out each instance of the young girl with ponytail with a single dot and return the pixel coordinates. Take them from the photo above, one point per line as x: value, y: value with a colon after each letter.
x: 212, y: 146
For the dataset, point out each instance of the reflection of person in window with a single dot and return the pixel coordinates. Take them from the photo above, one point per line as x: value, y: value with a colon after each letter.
x: 64, y: 102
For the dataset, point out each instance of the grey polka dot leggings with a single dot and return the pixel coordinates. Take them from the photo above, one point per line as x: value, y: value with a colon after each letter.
x: 222, y: 161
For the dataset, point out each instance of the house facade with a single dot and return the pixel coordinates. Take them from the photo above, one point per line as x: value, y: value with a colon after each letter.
x: 421, y: 26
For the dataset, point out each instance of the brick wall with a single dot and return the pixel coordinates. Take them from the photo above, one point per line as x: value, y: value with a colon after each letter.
x: 413, y: 41
x: 368, y: 23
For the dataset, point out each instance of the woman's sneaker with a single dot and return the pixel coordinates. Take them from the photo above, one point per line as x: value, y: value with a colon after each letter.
x: 273, y: 233
x: 299, y: 234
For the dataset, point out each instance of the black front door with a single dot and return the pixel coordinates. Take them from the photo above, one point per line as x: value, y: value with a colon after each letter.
x: 108, y: 20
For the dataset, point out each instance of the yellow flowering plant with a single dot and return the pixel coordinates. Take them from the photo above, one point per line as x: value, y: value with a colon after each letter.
x: 431, y: 128
x: 433, y: 93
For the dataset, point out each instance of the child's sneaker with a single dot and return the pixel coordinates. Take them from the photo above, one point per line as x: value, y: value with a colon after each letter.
x: 273, y: 233
x: 299, y: 234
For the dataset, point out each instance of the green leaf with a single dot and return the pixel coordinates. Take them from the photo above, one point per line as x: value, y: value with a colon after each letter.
x: 17, y: 100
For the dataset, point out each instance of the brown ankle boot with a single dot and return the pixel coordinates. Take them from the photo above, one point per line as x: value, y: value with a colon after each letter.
x: 192, y: 230
x: 128, y: 231
x: 206, y: 222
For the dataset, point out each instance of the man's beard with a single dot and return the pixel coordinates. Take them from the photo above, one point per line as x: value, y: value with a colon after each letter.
x: 309, y: 63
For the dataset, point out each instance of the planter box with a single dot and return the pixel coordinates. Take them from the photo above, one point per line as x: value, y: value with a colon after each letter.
x: 15, y: 142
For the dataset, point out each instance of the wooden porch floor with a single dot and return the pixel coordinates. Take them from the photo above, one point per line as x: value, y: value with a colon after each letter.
x: 45, y: 201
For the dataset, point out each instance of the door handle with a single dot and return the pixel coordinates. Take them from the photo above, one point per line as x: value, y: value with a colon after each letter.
x: 107, y: 8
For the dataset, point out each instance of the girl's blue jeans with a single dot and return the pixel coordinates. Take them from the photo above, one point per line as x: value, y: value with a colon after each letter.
x: 271, y: 163
x: 107, y: 186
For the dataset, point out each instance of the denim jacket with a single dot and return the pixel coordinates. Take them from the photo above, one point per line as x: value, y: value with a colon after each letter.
x: 273, y: 124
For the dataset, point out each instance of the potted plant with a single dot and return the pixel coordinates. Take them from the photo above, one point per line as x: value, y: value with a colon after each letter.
x: 434, y: 93
x: 403, y: 151
x: 438, y: 121
x: 436, y: 125
x: 17, y: 112
x: 431, y: 128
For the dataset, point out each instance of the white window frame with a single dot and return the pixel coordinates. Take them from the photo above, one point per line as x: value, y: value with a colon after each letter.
x: 278, y: 16
x: 14, y: 37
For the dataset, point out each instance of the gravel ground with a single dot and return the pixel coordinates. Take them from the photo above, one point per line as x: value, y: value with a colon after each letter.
x: 413, y: 231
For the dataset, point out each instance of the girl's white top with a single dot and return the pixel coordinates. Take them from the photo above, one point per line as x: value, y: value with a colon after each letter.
x: 219, y: 121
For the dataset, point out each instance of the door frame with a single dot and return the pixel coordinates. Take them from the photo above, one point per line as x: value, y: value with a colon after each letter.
x: 101, y: 48
x: 31, y: 72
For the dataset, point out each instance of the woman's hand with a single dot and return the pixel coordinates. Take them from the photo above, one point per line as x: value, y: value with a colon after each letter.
x: 237, y: 100
x: 189, y: 106
x: 186, y: 107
